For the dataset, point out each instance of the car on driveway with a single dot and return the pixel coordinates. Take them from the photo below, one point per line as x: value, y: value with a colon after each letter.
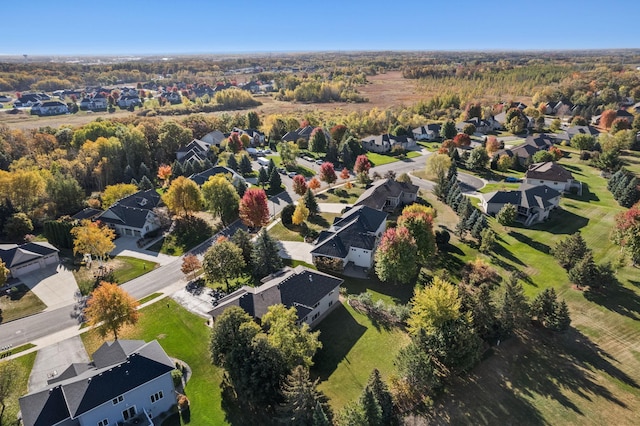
x: 319, y: 162
x: 282, y: 170
x: 292, y: 174
x: 306, y: 157
x: 512, y: 179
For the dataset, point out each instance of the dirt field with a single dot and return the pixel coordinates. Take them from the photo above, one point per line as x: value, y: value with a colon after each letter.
x: 383, y: 91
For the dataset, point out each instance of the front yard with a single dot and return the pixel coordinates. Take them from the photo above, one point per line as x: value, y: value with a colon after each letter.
x: 297, y: 232
x: 119, y: 269
x: 19, y: 302
x: 22, y: 367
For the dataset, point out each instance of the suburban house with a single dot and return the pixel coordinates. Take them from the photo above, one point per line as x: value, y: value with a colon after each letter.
x: 127, y: 101
x: 621, y: 113
x: 524, y: 152
x: 534, y: 203
x: 482, y: 126
x: 97, y: 102
x: 128, y: 383
x: 28, y: 100
x: 133, y: 216
x: 552, y: 175
x: 558, y: 108
x: 196, y: 150
x: 386, y: 143
x: 501, y: 119
x: 428, y: 132
x: 352, y: 239
x: 256, y: 137
x: 25, y: 258
x: 570, y: 132
x: 299, y: 133
x: 388, y: 194
x: 214, y: 138
x: 312, y: 293
x: 202, y: 177
x: 50, y: 108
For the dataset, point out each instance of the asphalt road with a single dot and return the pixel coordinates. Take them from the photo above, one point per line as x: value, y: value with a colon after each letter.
x: 27, y: 329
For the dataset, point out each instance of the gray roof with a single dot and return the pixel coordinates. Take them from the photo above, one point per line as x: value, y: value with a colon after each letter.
x: 377, y: 194
x: 548, y: 171
x: 197, y: 145
x: 14, y: 255
x: 74, y: 396
x: 201, y: 178
x: 133, y: 210
x: 86, y: 213
x: 526, y: 196
x: 300, y: 288
x: 581, y: 130
x: 299, y: 133
x: 355, y: 228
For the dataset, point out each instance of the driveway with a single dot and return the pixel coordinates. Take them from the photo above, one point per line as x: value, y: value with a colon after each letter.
x: 129, y: 247
x: 295, y: 250
x: 54, y: 359
x: 332, y: 207
x: 55, y: 285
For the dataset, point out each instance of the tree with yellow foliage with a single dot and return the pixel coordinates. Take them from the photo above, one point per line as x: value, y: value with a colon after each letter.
x: 109, y: 308
x: 434, y: 305
x: 300, y: 214
x: 93, y: 239
x: 113, y: 193
x: 183, y: 195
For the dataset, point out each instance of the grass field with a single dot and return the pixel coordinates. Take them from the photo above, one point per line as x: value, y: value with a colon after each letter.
x: 124, y: 268
x: 341, y: 195
x: 184, y: 336
x: 22, y: 367
x: 295, y: 232
x: 19, y: 303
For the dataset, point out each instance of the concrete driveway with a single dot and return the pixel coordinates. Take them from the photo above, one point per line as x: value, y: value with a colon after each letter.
x: 55, y: 285
x: 52, y: 360
x: 332, y: 207
x: 295, y: 250
x: 129, y: 247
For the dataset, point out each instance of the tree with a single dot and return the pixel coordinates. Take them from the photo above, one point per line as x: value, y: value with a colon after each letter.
x: 607, y: 117
x: 513, y: 310
x: 17, y: 226
x: 66, y: 193
x: 145, y: 184
x: 556, y: 153
x: 492, y: 145
x: 4, y: 275
x: 303, y: 402
x: 583, y: 142
x: 299, y: 185
x: 288, y: 153
x: 461, y: 139
x: 221, y: 198
x: 579, y: 121
x: 275, y: 183
x: 245, y: 165
x: 448, y: 130
x: 433, y: 305
x: 585, y: 272
x: 263, y: 176
x: 318, y: 140
x: 109, y: 308
x: 266, y: 255
x: 505, y: 162
x: 254, y: 210
x: 223, y: 261
x: 420, y: 226
x: 487, y: 240
x: 362, y: 164
x: 242, y: 239
x: 190, y: 265
x: 546, y: 309
x: 380, y: 393
x: 478, y: 159
x: 507, y: 215
x: 570, y: 250
x: 164, y: 174
x: 93, y: 239
x: 232, y: 162
x: 10, y: 376
x: 113, y: 193
x: 626, y: 232
x: 314, y: 184
x: 183, y: 195
x: 253, y: 120
x: 234, y: 144
x: 469, y: 129
x: 300, y: 214
x: 396, y: 256
x: 543, y: 157
x: 310, y: 202
x: 327, y: 173
x: 344, y: 174
x: 438, y: 165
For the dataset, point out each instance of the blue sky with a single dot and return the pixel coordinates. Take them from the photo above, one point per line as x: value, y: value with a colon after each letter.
x: 97, y: 27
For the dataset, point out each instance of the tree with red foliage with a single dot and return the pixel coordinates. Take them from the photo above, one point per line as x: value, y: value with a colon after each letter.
x: 337, y: 132
x: 328, y: 173
x: 299, y: 185
x: 362, y: 164
x: 344, y: 174
x: 626, y: 232
x: 397, y: 256
x: 462, y: 139
x: 556, y: 152
x: 254, y: 210
x: 234, y: 143
x: 607, y: 117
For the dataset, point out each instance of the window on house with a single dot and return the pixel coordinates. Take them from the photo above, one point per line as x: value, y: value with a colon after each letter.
x: 117, y: 399
x: 330, y: 302
x: 316, y: 305
x: 156, y: 396
x: 104, y: 422
x: 315, y: 316
x: 129, y: 413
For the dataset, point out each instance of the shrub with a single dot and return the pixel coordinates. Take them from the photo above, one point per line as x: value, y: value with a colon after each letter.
x: 287, y: 213
x: 176, y: 376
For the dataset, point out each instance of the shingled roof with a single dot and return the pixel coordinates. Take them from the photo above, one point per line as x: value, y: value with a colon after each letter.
x: 14, y: 255
x: 548, y: 171
x: 526, y: 196
x: 377, y: 194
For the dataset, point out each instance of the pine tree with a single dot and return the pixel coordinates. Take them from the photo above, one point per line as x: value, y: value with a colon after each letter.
x: 232, y: 162
x: 472, y: 218
x: 263, y: 177
x: 143, y: 170
x: 311, y: 203
x: 442, y: 188
x: 128, y: 174
x: 487, y: 240
x: 207, y: 164
x: 266, y: 255
x: 245, y: 165
x: 479, y: 225
x: 629, y: 194
x: 241, y: 187
x: 176, y: 169
x: 271, y: 167
x: 514, y: 309
x: 371, y: 409
x: 615, y: 179
x: 303, y: 403
x: 620, y: 186
x: 275, y: 182
x: 242, y: 239
x: 453, y: 172
x: 197, y: 166
x: 187, y: 169
x: 145, y: 184
x: 381, y: 394
x: 562, y: 317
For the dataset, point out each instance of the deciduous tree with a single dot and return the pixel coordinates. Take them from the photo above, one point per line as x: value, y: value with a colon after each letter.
x: 314, y: 184
x: 362, y: 164
x: 492, y: 145
x: 344, y: 174
x: 254, y: 210
x: 113, y: 193
x: 438, y: 165
x: 299, y: 185
x: 328, y: 173
x: 17, y: 226
x: 420, y: 226
x: 396, y: 256
x: 461, y: 139
x: 221, y: 198
x: 190, y: 265
x: 433, y: 305
x: 4, y: 273
x: 300, y: 214
x: 507, y: 215
x: 164, y: 174
x: 93, y: 239
x: 448, y: 130
x: 10, y: 375
x: 223, y: 261
x: 478, y: 159
x: 109, y: 308
x: 583, y: 142
x: 607, y: 117
x: 183, y: 195
x: 288, y: 153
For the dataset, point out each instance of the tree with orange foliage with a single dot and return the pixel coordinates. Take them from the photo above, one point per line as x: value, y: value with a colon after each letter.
x: 314, y: 184
x: 234, y: 144
x: 190, y: 265
x: 254, y: 210
x: 362, y: 165
x: 556, y: 152
x: 109, y: 308
x: 299, y: 185
x: 164, y: 174
x: 493, y: 145
x: 607, y: 117
x: 462, y: 139
x: 344, y: 174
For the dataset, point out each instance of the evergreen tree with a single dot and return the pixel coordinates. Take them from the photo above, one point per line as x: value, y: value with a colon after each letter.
x: 187, y: 169
x: 143, y: 170
x: 382, y: 396
x: 266, y: 256
x: 302, y: 401
x: 615, y: 179
x: 484, y: 313
x: 332, y: 153
x: 176, y: 169
x: 207, y: 164
x: 514, y: 308
x: 245, y: 165
x: 570, y: 250
x: 145, y: 184
x: 275, y: 182
x: 242, y: 239
x: 241, y: 187
x: 562, y: 319
x: 263, y: 177
x: 487, y: 240
x: 472, y: 218
x: 311, y: 203
x: 629, y: 194
x: 128, y: 174
x: 271, y: 167
x: 453, y: 172
x: 232, y: 162
x: 370, y: 408
x: 442, y: 188
x: 479, y: 225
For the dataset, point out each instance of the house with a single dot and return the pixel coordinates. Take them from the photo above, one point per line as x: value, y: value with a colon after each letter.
x: 202, y: 177
x: 500, y: 121
x: 50, y: 108
x: 428, y: 132
x: 552, y: 175
x: 214, y: 138
x: 386, y: 143
x: 481, y: 125
x: 5, y: 98
x: 621, y: 113
x: 129, y: 100
x: 196, y: 150
x: 86, y: 213
x: 353, y: 238
x: 388, y: 194
x: 312, y: 293
x: 97, y: 102
x: 578, y: 130
x: 534, y: 203
x: 128, y: 381
x: 27, y: 100
x: 25, y: 258
x: 524, y: 152
x: 256, y: 137
x: 133, y: 216
x: 299, y: 133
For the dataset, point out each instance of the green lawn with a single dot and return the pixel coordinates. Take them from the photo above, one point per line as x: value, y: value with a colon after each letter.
x: 184, y: 336
x: 341, y: 195
x: 131, y: 268
x: 502, y: 186
x: 380, y: 159
x: 22, y: 366
x: 148, y: 298
x: 295, y: 232
x: 19, y: 303
x: 305, y: 171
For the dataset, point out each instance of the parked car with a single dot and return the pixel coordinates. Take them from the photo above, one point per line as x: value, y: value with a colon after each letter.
x: 306, y: 157
x: 319, y: 162
x: 292, y: 174
x: 282, y: 170
x: 267, y: 151
x: 512, y: 179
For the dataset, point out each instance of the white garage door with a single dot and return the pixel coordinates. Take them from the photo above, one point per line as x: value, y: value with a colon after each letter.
x: 25, y: 269
x: 52, y: 258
